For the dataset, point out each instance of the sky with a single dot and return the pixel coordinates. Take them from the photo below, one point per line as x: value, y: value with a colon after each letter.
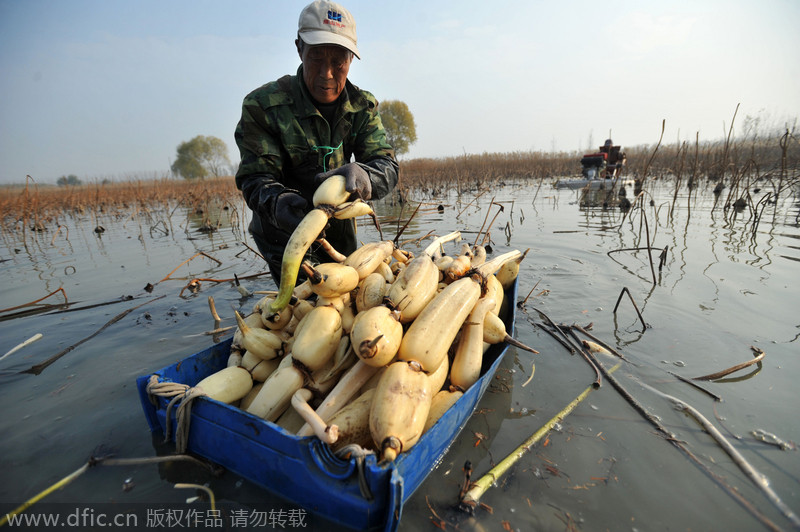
x: 105, y: 89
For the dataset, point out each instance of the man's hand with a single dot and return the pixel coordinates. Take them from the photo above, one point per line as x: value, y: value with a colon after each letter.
x: 356, y: 179
x: 290, y: 208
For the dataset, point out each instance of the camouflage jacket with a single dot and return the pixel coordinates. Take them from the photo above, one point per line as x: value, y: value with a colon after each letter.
x: 285, y: 142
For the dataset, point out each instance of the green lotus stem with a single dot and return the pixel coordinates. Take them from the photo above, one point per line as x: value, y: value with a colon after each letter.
x: 41, y: 495
x: 472, y: 497
x: 96, y: 461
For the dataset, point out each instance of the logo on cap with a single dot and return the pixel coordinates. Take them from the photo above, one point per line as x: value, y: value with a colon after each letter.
x: 334, y: 19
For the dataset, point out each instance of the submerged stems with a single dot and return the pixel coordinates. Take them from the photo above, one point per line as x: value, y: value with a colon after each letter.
x: 755, y: 476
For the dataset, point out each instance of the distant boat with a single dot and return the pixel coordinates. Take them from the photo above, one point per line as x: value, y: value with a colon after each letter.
x: 599, y: 169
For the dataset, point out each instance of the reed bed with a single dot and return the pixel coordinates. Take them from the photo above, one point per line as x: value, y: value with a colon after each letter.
x: 34, y: 209
x: 431, y: 177
x: 47, y: 201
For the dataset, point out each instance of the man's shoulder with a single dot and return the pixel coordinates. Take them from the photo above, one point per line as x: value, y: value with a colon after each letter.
x: 361, y: 98
x: 278, y: 92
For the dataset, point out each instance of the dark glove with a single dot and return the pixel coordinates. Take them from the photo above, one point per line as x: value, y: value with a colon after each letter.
x: 290, y: 208
x: 356, y: 179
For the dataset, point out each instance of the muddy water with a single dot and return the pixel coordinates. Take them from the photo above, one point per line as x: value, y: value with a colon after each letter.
x: 724, y: 286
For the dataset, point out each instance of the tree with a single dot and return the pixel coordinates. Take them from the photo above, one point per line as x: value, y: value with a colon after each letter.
x: 401, y: 131
x: 200, y: 157
x: 70, y: 179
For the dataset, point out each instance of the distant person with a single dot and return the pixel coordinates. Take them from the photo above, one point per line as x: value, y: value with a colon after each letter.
x: 301, y: 129
x: 616, y: 158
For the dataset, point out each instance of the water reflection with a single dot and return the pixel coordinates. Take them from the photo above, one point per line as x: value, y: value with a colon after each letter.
x: 212, y: 217
x: 605, y: 197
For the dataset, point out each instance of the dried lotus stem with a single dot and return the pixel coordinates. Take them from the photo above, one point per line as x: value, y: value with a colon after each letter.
x: 759, y: 355
x: 533, y: 370
x: 29, y: 341
x: 401, y: 230
x: 38, y: 368
x: 206, y: 489
x: 37, y: 300
x: 221, y: 330
x: 638, y: 313
x: 213, y: 308
x: 188, y: 260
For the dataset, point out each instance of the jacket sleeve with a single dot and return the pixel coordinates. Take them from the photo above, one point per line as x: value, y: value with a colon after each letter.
x: 373, y: 152
x: 261, y: 165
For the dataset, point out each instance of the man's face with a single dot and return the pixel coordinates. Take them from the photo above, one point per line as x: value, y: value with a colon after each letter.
x: 325, y: 69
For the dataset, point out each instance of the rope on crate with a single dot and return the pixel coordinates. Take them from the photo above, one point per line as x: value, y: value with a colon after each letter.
x: 178, y: 392
x: 354, y: 450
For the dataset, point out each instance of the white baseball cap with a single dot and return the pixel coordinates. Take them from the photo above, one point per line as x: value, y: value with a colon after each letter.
x: 323, y: 22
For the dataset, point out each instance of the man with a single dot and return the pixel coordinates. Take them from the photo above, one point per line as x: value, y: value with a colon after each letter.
x: 616, y: 158
x: 299, y: 130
